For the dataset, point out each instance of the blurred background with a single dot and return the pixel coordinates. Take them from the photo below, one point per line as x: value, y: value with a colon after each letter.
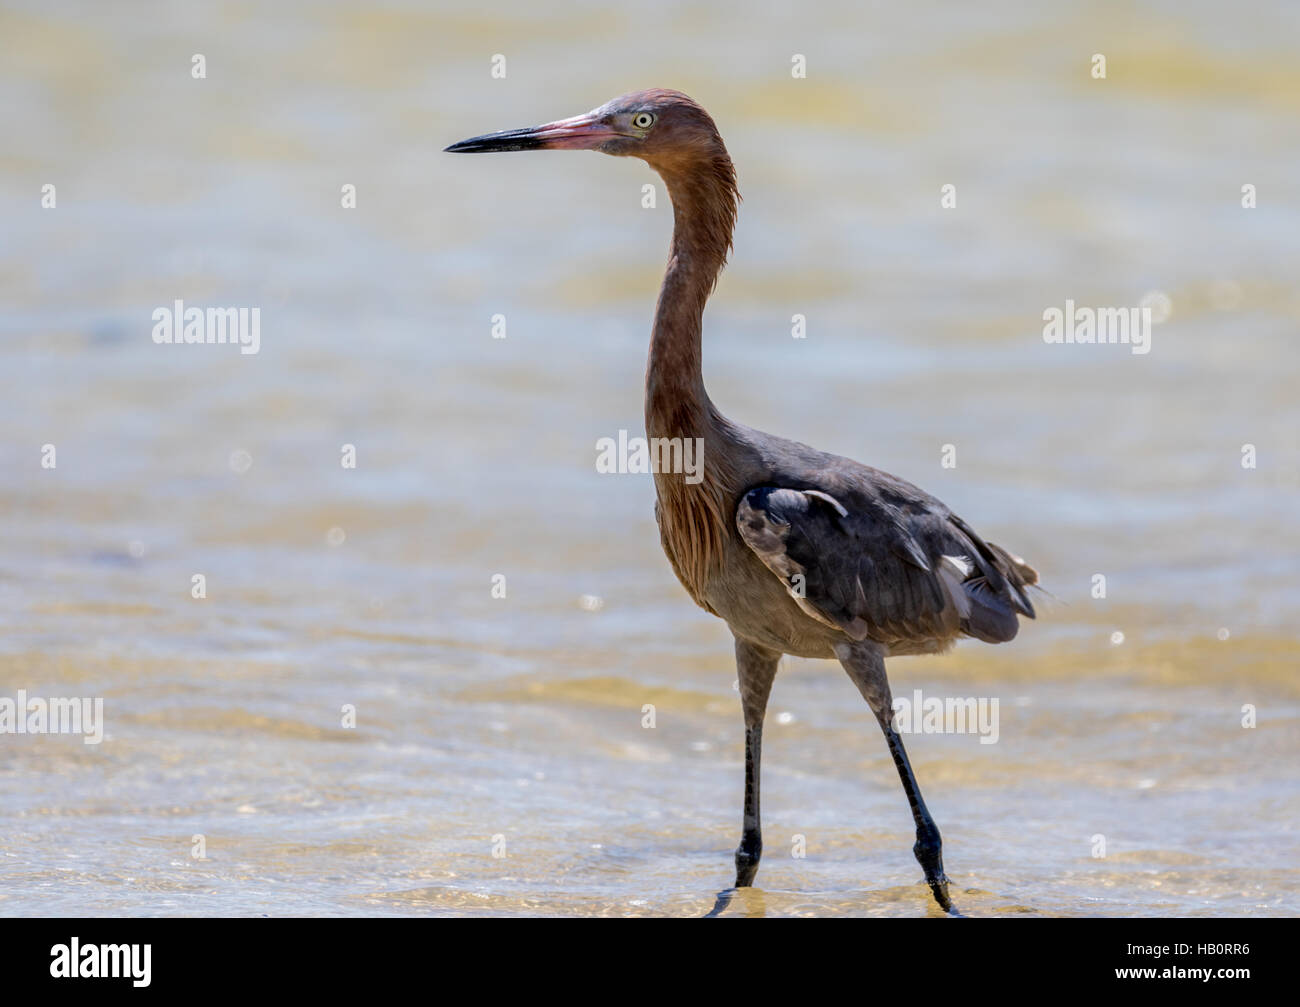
x: 520, y: 718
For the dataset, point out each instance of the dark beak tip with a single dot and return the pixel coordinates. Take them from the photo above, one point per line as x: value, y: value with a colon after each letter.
x: 492, y: 143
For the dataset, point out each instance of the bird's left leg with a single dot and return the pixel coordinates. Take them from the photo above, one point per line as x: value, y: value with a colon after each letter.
x: 865, y: 664
x: 755, y: 669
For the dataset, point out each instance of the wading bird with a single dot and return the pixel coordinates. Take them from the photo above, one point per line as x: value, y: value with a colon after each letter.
x: 799, y: 551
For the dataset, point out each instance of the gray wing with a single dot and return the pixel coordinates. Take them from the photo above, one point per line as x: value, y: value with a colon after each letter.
x: 883, y: 560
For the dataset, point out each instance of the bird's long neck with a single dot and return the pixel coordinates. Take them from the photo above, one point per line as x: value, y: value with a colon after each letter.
x: 704, y: 210
x: 695, y: 514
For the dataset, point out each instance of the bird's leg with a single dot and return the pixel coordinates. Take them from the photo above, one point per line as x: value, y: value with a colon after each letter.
x: 866, y: 666
x: 755, y: 668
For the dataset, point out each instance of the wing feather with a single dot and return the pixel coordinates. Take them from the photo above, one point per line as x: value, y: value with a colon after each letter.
x: 896, y: 570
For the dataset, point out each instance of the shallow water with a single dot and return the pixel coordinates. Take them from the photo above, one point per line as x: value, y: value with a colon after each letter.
x: 521, y: 718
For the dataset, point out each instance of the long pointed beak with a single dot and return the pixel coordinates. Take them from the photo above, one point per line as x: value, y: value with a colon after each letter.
x: 582, y: 132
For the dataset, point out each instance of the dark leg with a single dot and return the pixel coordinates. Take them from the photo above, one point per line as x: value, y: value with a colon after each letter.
x: 755, y: 668
x: 866, y: 666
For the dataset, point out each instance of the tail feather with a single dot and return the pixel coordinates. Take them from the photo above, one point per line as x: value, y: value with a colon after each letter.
x: 1019, y: 575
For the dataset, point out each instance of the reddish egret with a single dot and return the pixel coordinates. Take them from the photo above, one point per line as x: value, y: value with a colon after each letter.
x: 801, y: 552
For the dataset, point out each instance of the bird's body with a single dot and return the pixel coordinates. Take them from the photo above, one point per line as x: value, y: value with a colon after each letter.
x: 884, y: 570
x: 799, y: 551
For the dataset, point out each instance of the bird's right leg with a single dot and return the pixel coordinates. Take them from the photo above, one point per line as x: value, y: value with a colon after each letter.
x: 866, y: 666
x: 755, y: 669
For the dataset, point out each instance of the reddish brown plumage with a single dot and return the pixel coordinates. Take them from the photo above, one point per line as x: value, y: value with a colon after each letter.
x: 687, y: 152
x: 800, y: 551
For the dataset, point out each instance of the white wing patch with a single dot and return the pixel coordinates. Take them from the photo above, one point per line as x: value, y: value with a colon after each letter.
x: 961, y: 564
x: 828, y: 499
x: 953, y: 570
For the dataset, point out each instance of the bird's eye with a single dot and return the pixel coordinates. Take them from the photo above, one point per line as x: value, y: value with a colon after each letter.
x: 643, y: 120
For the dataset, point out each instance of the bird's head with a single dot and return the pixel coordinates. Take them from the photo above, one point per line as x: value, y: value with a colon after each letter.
x: 673, y: 135
x: 666, y: 129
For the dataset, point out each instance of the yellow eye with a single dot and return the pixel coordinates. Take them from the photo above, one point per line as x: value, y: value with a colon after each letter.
x: 643, y: 120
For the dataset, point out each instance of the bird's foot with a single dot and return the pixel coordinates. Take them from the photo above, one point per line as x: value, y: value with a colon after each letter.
x: 939, y: 889
x: 747, y: 857
x: 721, y: 903
x: 929, y: 854
x: 747, y: 901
